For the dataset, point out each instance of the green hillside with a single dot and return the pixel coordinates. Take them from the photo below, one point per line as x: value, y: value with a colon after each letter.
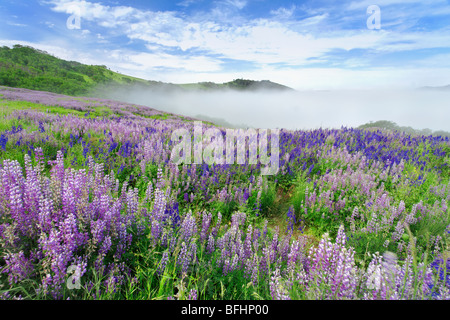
x: 26, y: 67
x: 237, y: 84
x: 392, y: 126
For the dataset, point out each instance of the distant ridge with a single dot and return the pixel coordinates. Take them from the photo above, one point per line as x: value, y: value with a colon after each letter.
x: 238, y: 84
x: 30, y: 68
x: 392, y: 126
x: 441, y: 88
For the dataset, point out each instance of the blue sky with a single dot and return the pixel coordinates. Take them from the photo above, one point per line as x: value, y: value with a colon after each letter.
x: 319, y: 45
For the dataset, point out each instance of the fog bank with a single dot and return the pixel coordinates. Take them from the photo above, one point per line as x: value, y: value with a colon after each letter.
x: 419, y: 109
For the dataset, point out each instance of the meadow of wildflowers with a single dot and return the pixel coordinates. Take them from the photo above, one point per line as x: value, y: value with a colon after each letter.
x: 88, y: 185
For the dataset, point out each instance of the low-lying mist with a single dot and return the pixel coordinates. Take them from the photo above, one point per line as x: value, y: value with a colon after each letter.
x: 419, y: 109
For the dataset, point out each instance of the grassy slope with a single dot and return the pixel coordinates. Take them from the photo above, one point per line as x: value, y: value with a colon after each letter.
x: 25, y: 67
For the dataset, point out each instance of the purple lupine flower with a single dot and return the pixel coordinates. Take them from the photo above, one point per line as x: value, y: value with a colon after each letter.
x: 206, y: 221
x: 193, y: 251
x: 106, y: 246
x: 264, y: 261
x: 192, y: 295
x: 291, y: 219
x: 248, y: 252
x: 295, y: 254
x: 255, y: 270
x: 277, y: 289
x: 148, y: 192
x: 285, y: 246
x: 399, y: 230
x: 332, y: 266
x: 274, y: 246
x: 188, y: 227
x: 234, y: 263
x: 183, y: 257
x: 210, y: 245
x: 216, y: 227
x: 18, y: 267
x: 163, y: 263
x: 248, y: 267
x: 159, y: 205
x: 226, y: 266
x: 156, y: 231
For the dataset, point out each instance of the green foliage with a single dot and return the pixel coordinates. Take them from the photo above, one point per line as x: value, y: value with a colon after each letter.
x: 26, y: 67
x: 244, y: 84
x: 390, y: 125
x: 301, y: 187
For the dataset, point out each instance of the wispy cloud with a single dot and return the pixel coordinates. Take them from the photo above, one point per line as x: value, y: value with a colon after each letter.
x: 239, y: 4
x: 357, y: 5
x: 186, y: 3
x: 283, y: 13
x: 15, y: 24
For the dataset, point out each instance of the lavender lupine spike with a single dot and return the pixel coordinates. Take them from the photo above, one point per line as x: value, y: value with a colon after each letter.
x: 385, y: 279
x: 274, y: 246
x: 183, y: 257
x: 188, y: 227
x: 332, y: 266
x: 277, y: 289
x: 18, y: 267
x: 192, y: 295
x: 210, y: 246
x: 132, y: 200
x: 216, y: 227
x: 163, y: 263
x: 160, y: 179
x: 296, y: 255
x: 248, y: 250
x: 45, y: 214
x: 149, y: 192
x: 159, y: 206
x: 206, y: 221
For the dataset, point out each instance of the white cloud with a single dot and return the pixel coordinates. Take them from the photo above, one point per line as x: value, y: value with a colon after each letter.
x: 239, y: 4
x: 14, y: 24
x: 150, y: 61
x: 186, y: 3
x: 283, y: 13
x: 50, y: 24
x: 357, y: 5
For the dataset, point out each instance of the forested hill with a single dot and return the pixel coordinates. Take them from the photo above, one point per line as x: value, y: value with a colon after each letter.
x: 238, y: 84
x: 26, y: 67
x: 392, y: 126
